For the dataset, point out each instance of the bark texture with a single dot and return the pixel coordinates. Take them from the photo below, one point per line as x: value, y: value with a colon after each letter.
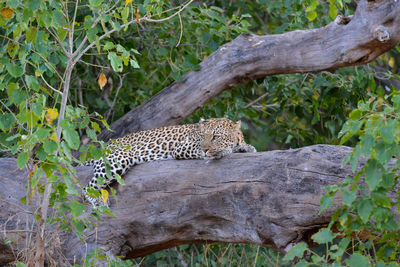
x: 269, y: 198
x: 373, y: 30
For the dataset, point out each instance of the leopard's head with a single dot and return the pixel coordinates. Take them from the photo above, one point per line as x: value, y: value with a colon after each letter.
x: 219, y: 134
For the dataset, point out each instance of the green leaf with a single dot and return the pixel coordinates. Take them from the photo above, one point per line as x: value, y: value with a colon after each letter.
x: 33, y: 4
x: 20, y: 264
x: 49, y: 146
x: 32, y: 82
x: 79, y: 226
x: 348, y: 197
x: 323, y: 236
x: 41, y: 133
x: 357, y: 260
x: 12, y: 49
x: 326, y: 202
x: 134, y: 64
x: 22, y: 159
x: 72, y: 137
x: 367, y: 141
x: 108, y: 46
x: 76, y: 208
x: 332, y: 11
x: 312, y: 6
x: 387, y: 133
x: 96, y: 152
x: 384, y: 152
x: 296, y: 251
x: 95, y: 3
x: 91, y: 134
x: 62, y: 33
x: 373, y: 173
x: 6, y: 121
x: 116, y: 62
x: 364, y: 209
x: 119, y: 179
x: 311, y: 15
x: 95, y: 126
x: 57, y: 18
x: 15, y: 70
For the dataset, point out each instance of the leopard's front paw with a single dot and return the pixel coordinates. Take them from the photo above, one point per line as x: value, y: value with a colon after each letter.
x: 244, y: 149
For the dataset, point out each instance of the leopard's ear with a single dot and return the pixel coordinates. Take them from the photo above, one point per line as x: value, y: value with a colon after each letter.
x: 200, y: 124
x: 237, y: 124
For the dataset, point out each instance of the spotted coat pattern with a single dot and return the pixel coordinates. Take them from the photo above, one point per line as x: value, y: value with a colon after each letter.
x: 208, y: 139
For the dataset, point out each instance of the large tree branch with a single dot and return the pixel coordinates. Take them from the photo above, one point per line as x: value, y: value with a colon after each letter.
x: 269, y: 198
x: 373, y: 30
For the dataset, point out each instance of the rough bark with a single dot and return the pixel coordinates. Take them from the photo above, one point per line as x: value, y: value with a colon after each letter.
x: 269, y: 198
x: 373, y: 30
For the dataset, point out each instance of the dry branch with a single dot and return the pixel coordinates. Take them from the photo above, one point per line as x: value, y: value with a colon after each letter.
x: 373, y: 30
x: 269, y: 198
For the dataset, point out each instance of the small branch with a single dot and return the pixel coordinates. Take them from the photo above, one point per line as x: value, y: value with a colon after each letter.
x: 51, y: 87
x: 181, y: 31
x: 58, y: 41
x: 258, y: 99
x: 71, y: 33
x: 110, y: 111
x: 12, y: 113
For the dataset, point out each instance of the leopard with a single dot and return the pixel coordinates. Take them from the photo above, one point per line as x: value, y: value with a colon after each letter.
x: 209, y: 139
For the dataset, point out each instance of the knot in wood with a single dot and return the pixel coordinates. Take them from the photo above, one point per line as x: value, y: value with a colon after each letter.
x: 342, y: 20
x: 382, y: 34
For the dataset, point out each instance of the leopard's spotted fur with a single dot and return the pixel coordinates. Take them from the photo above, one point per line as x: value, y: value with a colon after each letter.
x: 208, y: 139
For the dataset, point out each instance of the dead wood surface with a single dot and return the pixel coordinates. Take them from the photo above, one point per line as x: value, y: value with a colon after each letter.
x: 268, y: 198
x: 373, y: 30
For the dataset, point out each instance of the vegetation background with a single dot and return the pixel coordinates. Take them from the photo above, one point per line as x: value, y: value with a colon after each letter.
x: 133, y: 63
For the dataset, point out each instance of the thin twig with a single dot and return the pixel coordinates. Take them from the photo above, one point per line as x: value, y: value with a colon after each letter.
x: 181, y: 32
x: 93, y: 65
x: 18, y: 231
x: 258, y: 99
x: 51, y: 87
x: 71, y: 33
x: 12, y: 113
x: 121, y: 79
x: 58, y: 41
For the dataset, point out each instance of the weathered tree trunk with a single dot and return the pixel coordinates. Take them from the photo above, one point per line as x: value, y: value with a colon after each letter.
x: 269, y: 198
x: 373, y: 30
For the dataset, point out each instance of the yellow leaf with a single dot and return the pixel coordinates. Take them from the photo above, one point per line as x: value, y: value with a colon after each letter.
x: 104, y: 195
x: 127, y: 2
x: 53, y: 137
x: 137, y: 15
x: 32, y: 173
x: 391, y: 62
x: 51, y: 115
x: 102, y: 80
x: 7, y: 12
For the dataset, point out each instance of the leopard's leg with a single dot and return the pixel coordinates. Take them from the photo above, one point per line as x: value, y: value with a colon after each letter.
x: 220, y: 154
x: 245, y: 148
x: 119, y: 164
